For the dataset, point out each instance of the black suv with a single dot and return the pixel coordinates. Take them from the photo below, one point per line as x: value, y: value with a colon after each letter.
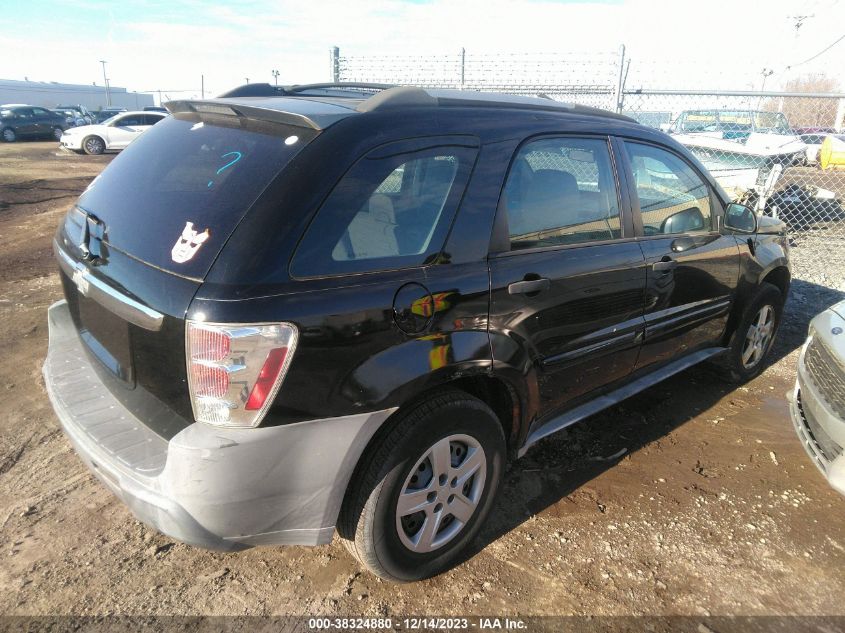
x: 343, y: 308
x: 25, y: 121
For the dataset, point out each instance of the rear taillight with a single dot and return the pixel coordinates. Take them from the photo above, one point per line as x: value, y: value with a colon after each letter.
x: 234, y: 371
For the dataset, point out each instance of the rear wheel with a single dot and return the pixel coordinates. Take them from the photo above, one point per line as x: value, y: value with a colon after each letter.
x: 93, y: 145
x: 423, y: 490
x: 753, y: 339
x: 9, y: 135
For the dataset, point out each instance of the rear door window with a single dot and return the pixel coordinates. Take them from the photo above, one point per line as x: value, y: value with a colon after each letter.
x: 389, y: 211
x: 188, y: 180
x: 130, y: 120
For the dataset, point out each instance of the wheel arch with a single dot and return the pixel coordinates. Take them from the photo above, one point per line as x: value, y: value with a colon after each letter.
x: 776, y: 273
x: 779, y: 276
x: 497, y: 393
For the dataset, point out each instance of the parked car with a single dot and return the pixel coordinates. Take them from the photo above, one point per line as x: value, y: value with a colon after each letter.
x: 81, y: 113
x: 106, y: 113
x: 818, y: 400
x: 813, y: 130
x: 804, y: 207
x: 25, y: 121
x: 70, y: 117
x: 325, y: 310
x: 113, y: 134
x: 814, y: 145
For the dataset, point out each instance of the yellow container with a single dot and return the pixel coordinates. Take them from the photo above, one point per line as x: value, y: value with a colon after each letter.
x: 832, y: 153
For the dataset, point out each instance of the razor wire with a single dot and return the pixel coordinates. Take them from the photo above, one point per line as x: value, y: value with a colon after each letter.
x: 780, y: 153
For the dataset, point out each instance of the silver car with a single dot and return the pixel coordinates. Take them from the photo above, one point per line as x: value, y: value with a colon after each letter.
x: 818, y: 401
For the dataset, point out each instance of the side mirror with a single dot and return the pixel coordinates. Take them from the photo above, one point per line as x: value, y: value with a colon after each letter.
x: 740, y: 218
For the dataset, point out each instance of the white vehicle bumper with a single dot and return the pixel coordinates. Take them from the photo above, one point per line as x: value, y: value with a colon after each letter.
x: 817, y: 402
x: 71, y: 141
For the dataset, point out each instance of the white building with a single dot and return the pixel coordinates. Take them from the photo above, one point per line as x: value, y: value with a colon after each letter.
x: 49, y: 94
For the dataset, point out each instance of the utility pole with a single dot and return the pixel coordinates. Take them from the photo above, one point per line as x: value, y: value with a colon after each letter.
x: 202, y: 86
x: 106, y: 81
x: 334, y: 52
x: 275, y: 74
x: 247, y: 79
x: 766, y: 72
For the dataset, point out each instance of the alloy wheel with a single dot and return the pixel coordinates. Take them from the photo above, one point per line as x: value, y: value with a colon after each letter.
x: 441, y: 493
x: 94, y: 146
x: 758, y: 337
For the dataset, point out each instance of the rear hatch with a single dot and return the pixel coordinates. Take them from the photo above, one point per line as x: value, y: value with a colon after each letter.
x: 135, y: 248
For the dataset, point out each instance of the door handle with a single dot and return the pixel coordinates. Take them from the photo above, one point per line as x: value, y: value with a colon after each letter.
x: 529, y: 287
x: 664, y: 265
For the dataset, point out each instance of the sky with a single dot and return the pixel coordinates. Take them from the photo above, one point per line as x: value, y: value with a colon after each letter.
x: 168, y: 45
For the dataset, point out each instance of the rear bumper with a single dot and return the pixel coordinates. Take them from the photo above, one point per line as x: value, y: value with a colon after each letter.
x: 818, y: 427
x: 211, y: 487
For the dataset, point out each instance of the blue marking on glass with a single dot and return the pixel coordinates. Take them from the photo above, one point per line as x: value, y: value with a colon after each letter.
x: 237, y: 157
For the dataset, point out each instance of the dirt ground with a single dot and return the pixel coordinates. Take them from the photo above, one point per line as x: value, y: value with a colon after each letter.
x: 693, y: 498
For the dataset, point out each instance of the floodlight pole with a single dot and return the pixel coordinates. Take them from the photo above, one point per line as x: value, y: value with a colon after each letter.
x: 106, y: 81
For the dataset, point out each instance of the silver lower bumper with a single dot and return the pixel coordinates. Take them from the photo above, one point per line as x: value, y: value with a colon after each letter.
x: 212, y: 487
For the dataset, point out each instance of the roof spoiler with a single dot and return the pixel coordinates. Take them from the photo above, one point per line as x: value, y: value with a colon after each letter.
x: 217, y: 107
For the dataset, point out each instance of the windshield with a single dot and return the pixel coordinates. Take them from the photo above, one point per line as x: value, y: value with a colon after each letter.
x: 740, y: 122
x: 773, y: 122
x: 185, y: 174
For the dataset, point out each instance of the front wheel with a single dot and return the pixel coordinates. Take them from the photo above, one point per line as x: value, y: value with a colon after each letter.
x: 93, y: 145
x: 753, y: 339
x: 57, y: 133
x: 422, y: 492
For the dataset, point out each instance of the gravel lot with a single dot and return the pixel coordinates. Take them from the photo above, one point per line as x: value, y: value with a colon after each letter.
x: 694, y: 498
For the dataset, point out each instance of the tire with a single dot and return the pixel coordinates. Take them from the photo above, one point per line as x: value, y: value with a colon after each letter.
x: 754, y: 336
x: 57, y: 133
x: 399, y: 546
x: 9, y: 135
x: 93, y: 145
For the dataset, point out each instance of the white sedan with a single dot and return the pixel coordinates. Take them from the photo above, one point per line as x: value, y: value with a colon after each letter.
x: 113, y: 134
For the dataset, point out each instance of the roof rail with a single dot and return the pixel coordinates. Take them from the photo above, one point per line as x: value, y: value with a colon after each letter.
x: 410, y: 96
x: 254, y: 90
x: 340, y: 85
x: 338, y: 89
x: 377, y: 97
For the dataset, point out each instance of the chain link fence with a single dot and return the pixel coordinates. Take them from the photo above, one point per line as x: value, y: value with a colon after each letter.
x: 781, y: 153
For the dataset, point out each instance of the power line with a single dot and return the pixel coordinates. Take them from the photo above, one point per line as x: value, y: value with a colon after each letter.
x: 824, y: 50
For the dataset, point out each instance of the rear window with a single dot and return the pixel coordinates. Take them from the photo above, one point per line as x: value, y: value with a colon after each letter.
x: 187, y: 181
x: 389, y: 211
